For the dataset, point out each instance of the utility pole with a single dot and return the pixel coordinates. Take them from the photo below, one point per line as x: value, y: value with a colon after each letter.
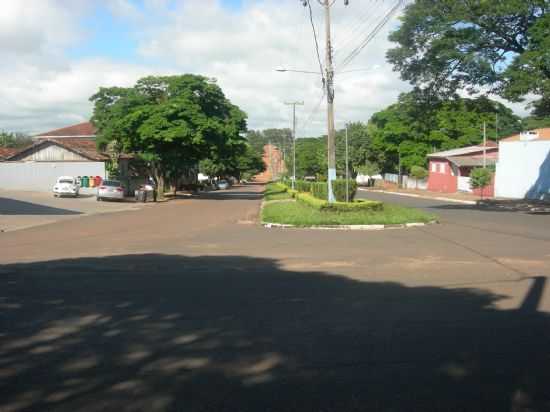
x: 496, y: 127
x: 294, y: 104
x: 347, y: 167
x: 484, y: 145
x: 328, y: 82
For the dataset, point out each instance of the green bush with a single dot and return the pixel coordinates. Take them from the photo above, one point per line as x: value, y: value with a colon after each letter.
x: 480, y: 178
x: 303, y: 186
x: 419, y: 172
x: 320, y: 190
x: 323, y: 205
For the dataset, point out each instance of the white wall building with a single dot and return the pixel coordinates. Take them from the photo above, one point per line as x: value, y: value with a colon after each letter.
x: 523, y: 168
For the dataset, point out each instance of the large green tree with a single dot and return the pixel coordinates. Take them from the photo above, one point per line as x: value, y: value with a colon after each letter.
x: 359, y: 148
x: 417, y: 125
x: 311, y: 157
x: 501, y: 46
x: 168, y: 121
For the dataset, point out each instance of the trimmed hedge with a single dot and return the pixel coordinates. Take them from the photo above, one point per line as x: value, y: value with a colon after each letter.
x: 320, y: 189
x: 323, y: 205
x: 303, y: 186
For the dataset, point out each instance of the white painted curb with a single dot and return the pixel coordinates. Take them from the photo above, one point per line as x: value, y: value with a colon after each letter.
x: 444, y: 199
x: 268, y: 225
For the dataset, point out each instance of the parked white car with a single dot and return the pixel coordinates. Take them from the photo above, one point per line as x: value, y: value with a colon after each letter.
x: 66, y: 186
x: 110, y: 189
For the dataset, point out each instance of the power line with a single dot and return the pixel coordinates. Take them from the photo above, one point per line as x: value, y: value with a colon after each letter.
x: 315, y: 38
x: 313, y: 112
x: 355, y: 28
x: 355, y: 52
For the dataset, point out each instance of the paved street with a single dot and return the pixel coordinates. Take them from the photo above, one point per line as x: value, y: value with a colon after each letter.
x: 24, y: 209
x: 190, y: 305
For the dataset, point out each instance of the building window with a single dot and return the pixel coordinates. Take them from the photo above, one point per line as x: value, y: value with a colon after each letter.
x: 442, y: 168
x: 434, y: 167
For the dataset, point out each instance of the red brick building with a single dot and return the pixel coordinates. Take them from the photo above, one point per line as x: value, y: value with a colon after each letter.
x: 274, y: 164
x: 449, y: 171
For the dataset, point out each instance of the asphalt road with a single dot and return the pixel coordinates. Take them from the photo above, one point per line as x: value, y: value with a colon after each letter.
x: 191, y: 306
x: 514, y: 224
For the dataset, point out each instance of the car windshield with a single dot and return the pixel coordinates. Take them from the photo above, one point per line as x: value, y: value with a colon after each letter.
x: 71, y: 181
x: 113, y: 183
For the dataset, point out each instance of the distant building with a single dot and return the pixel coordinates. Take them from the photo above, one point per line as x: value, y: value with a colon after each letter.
x: 274, y: 164
x: 523, y: 168
x: 69, y: 151
x: 449, y: 171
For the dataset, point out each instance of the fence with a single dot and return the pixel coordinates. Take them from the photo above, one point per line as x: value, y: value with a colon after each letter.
x: 41, y: 176
x: 407, y: 182
x: 391, y: 178
x: 464, y: 184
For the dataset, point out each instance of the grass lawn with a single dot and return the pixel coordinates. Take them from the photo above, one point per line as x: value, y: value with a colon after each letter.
x: 299, y: 214
x: 274, y: 191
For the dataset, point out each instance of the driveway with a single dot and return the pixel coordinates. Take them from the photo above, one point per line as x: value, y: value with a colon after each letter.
x: 22, y: 209
x: 190, y: 306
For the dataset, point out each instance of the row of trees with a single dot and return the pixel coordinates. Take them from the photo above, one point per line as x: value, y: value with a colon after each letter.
x: 404, y: 133
x: 14, y: 140
x: 173, y: 123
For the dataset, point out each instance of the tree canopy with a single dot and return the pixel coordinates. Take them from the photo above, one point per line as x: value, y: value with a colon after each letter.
x: 498, y: 46
x: 413, y: 127
x: 15, y: 140
x: 169, y: 121
x: 282, y: 138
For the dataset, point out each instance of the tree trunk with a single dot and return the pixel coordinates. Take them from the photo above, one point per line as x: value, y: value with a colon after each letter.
x: 158, y: 177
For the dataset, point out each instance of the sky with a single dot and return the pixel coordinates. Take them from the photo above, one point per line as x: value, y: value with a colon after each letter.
x: 55, y: 54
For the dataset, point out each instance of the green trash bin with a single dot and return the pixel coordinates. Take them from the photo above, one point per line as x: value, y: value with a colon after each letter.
x: 85, y: 181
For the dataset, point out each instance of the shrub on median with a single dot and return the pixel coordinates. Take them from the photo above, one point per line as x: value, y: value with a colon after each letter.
x: 323, y: 205
x: 320, y: 189
x: 303, y: 186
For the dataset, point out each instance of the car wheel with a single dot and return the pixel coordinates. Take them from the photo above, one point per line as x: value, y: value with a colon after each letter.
x: 98, y: 198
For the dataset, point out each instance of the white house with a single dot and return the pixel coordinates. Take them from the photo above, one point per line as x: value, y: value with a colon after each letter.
x: 523, y: 167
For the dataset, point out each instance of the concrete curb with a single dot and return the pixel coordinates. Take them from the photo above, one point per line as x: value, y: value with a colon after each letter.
x: 268, y: 225
x: 444, y: 199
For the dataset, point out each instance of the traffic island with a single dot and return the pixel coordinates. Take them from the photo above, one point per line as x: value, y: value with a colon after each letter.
x: 302, y: 210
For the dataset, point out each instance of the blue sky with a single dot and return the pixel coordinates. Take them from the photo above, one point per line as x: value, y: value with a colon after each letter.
x: 114, y: 37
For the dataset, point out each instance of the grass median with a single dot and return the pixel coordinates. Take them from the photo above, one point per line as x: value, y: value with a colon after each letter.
x: 301, y: 214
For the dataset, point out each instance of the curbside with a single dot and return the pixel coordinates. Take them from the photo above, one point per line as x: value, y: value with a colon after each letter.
x: 269, y: 225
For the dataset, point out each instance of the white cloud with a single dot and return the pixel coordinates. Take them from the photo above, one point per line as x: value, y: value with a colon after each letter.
x: 241, y: 47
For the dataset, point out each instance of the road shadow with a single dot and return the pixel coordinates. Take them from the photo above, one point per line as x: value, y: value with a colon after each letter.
x: 234, y: 333
x: 19, y: 207
x: 229, y: 195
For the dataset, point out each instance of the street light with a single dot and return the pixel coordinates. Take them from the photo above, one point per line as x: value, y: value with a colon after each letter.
x: 296, y: 71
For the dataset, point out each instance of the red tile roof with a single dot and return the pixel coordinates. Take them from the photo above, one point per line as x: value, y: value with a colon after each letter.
x: 85, y: 129
x: 85, y: 147
x: 6, y: 152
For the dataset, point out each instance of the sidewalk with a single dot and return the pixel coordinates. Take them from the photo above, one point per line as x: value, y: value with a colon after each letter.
x: 465, y: 198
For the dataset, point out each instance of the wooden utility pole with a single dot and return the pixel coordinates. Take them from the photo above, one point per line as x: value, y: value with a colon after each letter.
x: 329, y: 83
x: 484, y: 145
x: 347, y: 166
x: 294, y: 104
